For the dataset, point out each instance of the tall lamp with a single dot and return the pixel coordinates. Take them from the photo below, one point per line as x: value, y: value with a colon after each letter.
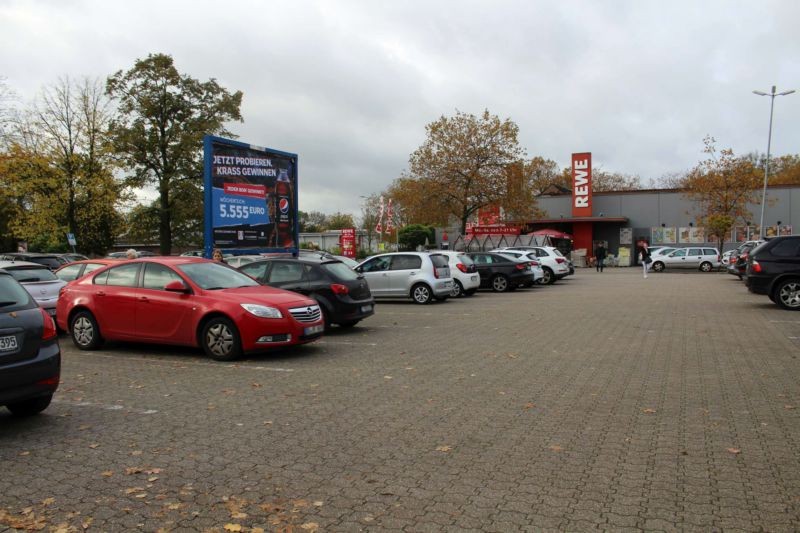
x: 772, y: 96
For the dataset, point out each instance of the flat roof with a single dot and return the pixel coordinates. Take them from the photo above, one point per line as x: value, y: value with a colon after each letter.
x: 616, y: 220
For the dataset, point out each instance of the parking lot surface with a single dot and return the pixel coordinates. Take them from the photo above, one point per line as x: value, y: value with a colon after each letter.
x: 605, y: 401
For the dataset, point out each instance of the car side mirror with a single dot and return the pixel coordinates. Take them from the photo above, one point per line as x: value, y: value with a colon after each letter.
x: 176, y: 286
x: 359, y: 269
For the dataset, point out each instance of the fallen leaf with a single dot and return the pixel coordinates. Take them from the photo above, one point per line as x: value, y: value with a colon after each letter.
x: 136, y: 452
x: 529, y: 405
x: 387, y: 377
x: 788, y: 407
x: 107, y: 473
x: 25, y: 453
x: 86, y: 523
x: 267, y: 422
x: 310, y: 526
x: 318, y: 503
x: 233, y: 527
x: 556, y: 448
x: 257, y: 530
x: 48, y: 501
x: 153, y: 478
x: 132, y: 470
x: 133, y: 489
x: 173, y: 506
x: 83, y: 428
x: 648, y: 411
x: 94, y: 445
x: 239, y: 516
x: 142, y: 495
x: 734, y: 451
x: 256, y: 385
x: 443, y: 448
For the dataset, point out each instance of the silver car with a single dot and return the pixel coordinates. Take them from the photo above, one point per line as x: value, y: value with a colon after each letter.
x: 702, y: 258
x: 420, y: 276
x: 38, y: 280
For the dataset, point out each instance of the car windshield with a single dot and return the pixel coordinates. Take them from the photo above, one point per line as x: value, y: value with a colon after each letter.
x: 340, y: 270
x: 439, y: 261
x: 31, y: 274
x: 464, y: 258
x: 214, y: 276
x: 12, y: 295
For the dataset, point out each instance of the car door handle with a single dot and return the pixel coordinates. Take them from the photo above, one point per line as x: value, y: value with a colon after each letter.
x: 144, y: 299
x: 101, y: 293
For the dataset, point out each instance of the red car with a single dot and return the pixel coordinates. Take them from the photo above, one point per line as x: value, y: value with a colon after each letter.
x: 187, y: 301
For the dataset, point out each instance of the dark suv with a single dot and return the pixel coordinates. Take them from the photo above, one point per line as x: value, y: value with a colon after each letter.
x: 342, y: 294
x: 501, y: 272
x: 774, y: 269
x: 30, y: 358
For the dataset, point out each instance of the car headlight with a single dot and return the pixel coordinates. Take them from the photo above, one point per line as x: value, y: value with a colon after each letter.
x: 262, y: 311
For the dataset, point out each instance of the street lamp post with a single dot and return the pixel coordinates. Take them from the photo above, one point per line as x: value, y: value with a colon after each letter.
x: 772, y: 96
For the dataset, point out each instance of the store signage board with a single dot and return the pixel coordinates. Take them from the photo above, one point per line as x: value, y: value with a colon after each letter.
x: 582, y: 184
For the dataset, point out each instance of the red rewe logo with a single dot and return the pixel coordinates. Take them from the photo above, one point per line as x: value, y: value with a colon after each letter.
x: 283, y: 205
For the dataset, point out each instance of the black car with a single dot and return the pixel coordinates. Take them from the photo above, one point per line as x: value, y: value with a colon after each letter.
x: 30, y: 357
x: 501, y: 272
x: 774, y: 269
x: 51, y: 261
x: 342, y: 294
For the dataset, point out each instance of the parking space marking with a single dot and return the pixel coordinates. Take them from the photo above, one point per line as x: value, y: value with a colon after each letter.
x: 107, y: 407
x: 176, y: 364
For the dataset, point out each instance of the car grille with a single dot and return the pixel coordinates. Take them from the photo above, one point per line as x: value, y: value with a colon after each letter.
x: 309, y: 313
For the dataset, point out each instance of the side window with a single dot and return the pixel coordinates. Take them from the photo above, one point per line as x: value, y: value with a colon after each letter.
x: 695, y: 252
x: 679, y: 253
x: 406, y: 262
x: 68, y: 273
x: 786, y: 248
x: 123, y: 275
x: 285, y: 271
x: 479, y: 259
x: 256, y: 270
x: 710, y: 251
x: 91, y: 267
x: 378, y: 264
x: 101, y: 278
x: 313, y: 274
x: 157, y: 276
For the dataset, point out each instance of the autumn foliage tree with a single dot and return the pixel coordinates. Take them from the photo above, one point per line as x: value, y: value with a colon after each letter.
x: 722, y: 185
x: 461, y: 167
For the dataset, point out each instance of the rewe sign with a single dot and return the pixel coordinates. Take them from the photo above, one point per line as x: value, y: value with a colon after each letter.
x: 582, y: 184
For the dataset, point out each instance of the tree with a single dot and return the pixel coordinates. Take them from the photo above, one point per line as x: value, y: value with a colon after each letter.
x: 370, y: 210
x: 722, y: 185
x: 542, y: 173
x: 415, y: 235
x: 159, y: 131
x: 312, y: 221
x: 340, y: 221
x: 460, y: 168
x: 603, y: 181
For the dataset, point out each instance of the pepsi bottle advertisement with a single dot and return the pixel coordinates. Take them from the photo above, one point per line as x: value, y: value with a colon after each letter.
x: 251, y: 197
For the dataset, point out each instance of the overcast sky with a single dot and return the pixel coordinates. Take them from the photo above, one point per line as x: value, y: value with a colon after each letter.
x: 350, y: 85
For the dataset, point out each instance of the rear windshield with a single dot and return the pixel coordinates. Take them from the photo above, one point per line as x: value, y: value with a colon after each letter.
x: 30, y: 274
x: 439, y: 261
x: 340, y: 270
x: 464, y: 258
x: 558, y: 252
x: 49, y: 262
x: 12, y: 295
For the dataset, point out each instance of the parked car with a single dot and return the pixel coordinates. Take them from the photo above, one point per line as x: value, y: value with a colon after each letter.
x: 773, y: 268
x: 532, y: 258
x: 81, y: 268
x: 660, y: 250
x: 553, y: 262
x: 466, y: 279
x: 702, y: 258
x: 501, y: 272
x: 352, y: 263
x: 737, y: 263
x: 71, y: 257
x: 185, y: 301
x: 421, y: 276
x: 30, y: 357
x: 38, y: 280
x: 342, y: 294
x: 51, y: 261
x: 238, y: 260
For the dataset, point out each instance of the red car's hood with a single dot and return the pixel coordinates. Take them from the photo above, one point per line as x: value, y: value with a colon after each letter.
x: 261, y: 295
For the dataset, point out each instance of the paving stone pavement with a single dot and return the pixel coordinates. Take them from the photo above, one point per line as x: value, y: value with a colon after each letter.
x: 603, y: 402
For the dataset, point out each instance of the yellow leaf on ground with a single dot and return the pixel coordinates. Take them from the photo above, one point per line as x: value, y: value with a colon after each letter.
x: 93, y: 445
x: 233, y: 527
x: 48, y: 501
x: 310, y: 526
x: 529, y: 405
x: 556, y: 448
x: 107, y: 473
x: 444, y: 448
x: 734, y: 451
x: 648, y: 411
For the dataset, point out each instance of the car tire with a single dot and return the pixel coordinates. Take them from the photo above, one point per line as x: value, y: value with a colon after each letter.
x: 549, y: 277
x: 31, y: 407
x: 705, y: 266
x: 220, y: 339
x: 658, y: 266
x: 458, y: 289
x: 499, y: 283
x: 787, y: 294
x: 326, y: 316
x: 421, y: 294
x: 84, y: 331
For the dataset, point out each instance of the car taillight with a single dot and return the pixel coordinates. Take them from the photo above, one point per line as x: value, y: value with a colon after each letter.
x: 521, y: 266
x: 535, y: 263
x: 755, y: 266
x: 339, y: 289
x: 560, y: 260
x: 743, y: 257
x: 49, y: 326
x: 462, y: 267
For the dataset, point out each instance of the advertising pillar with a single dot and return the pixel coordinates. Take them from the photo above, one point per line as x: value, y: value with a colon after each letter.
x: 582, y: 184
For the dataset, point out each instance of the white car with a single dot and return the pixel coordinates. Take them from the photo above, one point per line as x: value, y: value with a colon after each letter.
x: 553, y: 262
x: 420, y: 276
x: 38, y: 280
x: 701, y: 258
x: 466, y: 279
x: 531, y: 257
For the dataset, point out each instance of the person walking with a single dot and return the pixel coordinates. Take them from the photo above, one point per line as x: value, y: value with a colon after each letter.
x: 644, y: 257
x: 600, y: 256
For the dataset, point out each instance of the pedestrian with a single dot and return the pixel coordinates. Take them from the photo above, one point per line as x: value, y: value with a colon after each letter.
x: 131, y: 254
x: 644, y: 257
x: 217, y: 255
x: 600, y: 256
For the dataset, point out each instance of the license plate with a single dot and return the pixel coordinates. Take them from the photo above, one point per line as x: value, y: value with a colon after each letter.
x: 311, y: 330
x: 8, y: 343
x: 366, y: 308
x: 473, y: 278
x: 448, y: 284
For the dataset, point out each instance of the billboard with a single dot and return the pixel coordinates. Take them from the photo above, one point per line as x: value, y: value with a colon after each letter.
x: 250, y: 198
x: 582, y: 184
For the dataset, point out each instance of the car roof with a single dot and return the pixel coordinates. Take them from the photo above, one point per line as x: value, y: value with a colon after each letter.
x: 30, y: 254
x: 10, y: 264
